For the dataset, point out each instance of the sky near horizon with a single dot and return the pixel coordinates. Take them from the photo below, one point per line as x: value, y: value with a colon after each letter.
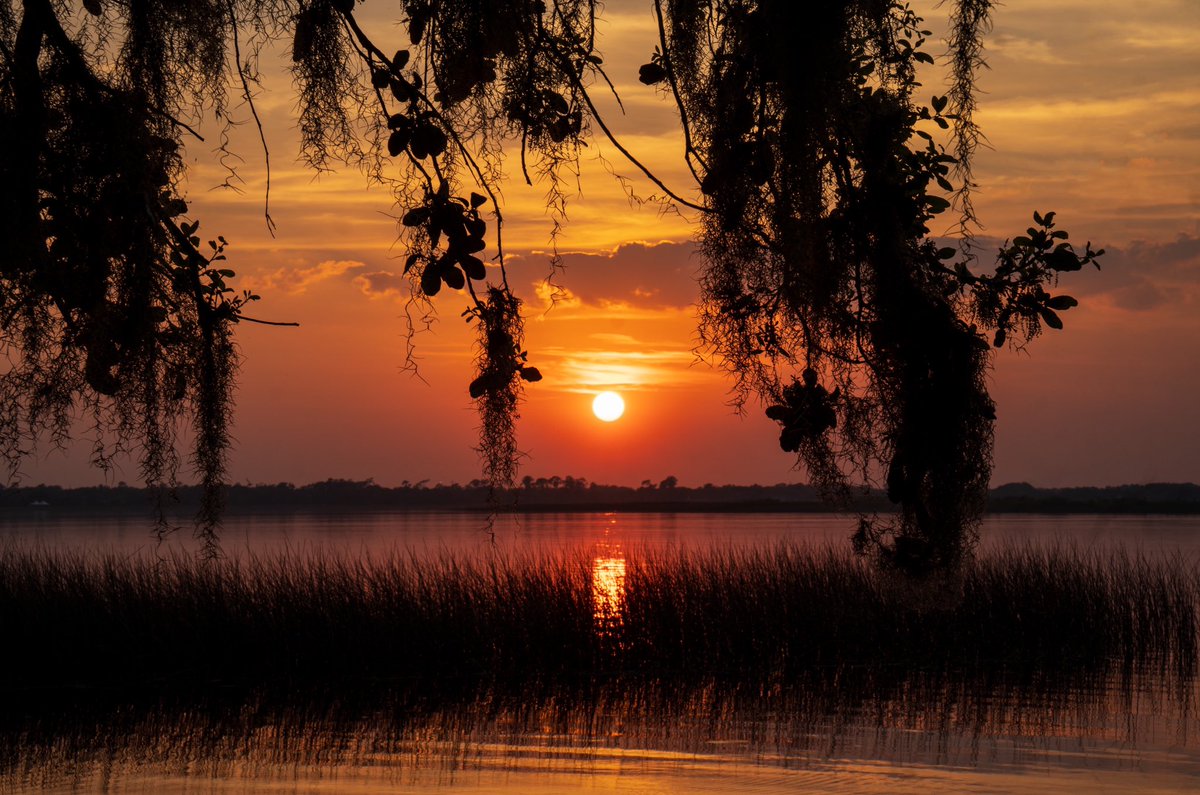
x: 1092, y: 109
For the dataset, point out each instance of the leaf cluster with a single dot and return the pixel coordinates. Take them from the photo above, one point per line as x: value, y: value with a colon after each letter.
x: 1016, y: 296
x: 464, y: 229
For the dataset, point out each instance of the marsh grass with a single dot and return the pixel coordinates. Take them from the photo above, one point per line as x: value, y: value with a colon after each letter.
x: 767, y: 616
x: 111, y: 663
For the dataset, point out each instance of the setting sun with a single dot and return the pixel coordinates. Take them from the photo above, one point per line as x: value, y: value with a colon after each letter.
x: 608, y: 406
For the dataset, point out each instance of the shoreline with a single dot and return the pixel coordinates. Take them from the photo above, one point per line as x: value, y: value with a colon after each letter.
x: 183, y: 510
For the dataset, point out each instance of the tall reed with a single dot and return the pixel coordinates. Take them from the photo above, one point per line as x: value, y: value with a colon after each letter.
x: 439, y: 623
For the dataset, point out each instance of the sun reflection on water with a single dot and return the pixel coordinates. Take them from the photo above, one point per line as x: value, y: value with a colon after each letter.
x: 608, y: 586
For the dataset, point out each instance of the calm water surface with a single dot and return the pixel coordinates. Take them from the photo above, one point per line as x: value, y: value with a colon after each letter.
x: 899, y: 732
x: 385, y: 533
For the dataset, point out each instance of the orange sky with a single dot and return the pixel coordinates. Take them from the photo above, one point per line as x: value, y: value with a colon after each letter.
x: 1090, y: 108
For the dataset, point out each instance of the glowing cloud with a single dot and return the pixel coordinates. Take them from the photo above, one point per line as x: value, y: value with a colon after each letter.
x: 297, y: 280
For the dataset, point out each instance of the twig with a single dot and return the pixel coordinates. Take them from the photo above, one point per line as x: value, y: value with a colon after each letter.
x: 621, y: 148
x: 237, y: 55
x: 689, y: 149
x: 267, y: 322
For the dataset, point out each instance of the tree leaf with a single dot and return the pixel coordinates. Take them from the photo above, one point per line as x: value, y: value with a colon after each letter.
x: 937, y: 204
x: 651, y: 73
x: 415, y: 216
x: 402, y: 91
x: 488, y: 382
x: 453, y: 277
x: 427, y: 140
x: 1050, y: 317
x: 397, y: 141
x: 431, y: 280
x: 1062, y: 302
x: 1064, y: 259
x: 473, y: 266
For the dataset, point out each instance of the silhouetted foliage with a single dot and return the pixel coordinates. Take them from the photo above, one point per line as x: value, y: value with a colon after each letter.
x: 822, y: 173
x: 111, y: 304
x: 824, y: 294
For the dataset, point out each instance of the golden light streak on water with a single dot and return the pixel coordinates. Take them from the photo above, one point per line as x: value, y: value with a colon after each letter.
x: 608, y: 587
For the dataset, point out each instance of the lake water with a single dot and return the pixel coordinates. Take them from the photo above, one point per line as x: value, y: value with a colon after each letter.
x: 877, y: 731
x: 385, y: 533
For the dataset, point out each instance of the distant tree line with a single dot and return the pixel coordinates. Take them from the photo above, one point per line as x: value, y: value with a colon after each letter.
x: 578, y: 493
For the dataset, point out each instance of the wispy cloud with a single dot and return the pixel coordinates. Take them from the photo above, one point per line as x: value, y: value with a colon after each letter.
x: 617, y: 339
x: 632, y: 277
x: 295, y: 281
x: 1150, y: 276
x: 1026, y: 49
x: 382, y: 284
x: 590, y: 370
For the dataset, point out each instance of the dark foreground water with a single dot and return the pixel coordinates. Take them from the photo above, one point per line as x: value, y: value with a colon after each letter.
x: 1128, y: 726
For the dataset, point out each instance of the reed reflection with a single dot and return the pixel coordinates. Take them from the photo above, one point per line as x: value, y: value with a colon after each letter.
x: 950, y: 735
